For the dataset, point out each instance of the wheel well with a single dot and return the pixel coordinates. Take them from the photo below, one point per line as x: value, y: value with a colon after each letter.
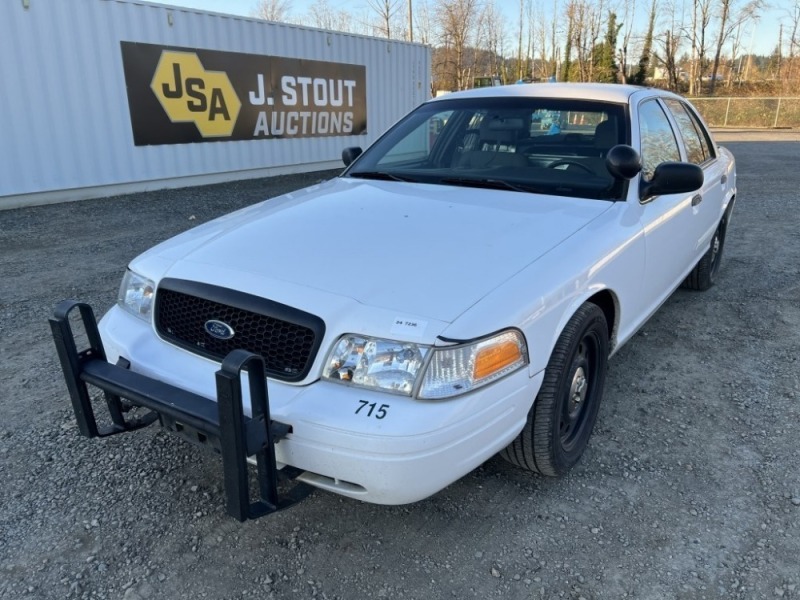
x: 729, y: 207
x: 608, y: 303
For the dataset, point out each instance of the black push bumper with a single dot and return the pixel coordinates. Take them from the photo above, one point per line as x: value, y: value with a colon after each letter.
x: 221, y: 424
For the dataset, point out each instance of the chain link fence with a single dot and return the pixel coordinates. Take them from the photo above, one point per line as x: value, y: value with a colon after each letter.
x: 755, y: 113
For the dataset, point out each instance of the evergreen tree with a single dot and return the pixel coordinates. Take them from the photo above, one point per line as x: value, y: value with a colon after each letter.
x: 605, y: 63
x: 640, y: 77
x: 565, y: 66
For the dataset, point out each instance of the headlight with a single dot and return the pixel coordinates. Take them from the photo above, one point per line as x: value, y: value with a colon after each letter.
x: 460, y: 369
x: 376, y: 363
x: 397, y: 366
x: 136, y: 295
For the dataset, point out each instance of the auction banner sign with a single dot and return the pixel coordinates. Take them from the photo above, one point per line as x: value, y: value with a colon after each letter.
x: 185, y: 95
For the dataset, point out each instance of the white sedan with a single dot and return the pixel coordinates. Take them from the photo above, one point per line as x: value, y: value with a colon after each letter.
x: 454, y: 294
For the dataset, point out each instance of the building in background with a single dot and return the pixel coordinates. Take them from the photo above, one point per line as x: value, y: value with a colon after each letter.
x: 101, y: 98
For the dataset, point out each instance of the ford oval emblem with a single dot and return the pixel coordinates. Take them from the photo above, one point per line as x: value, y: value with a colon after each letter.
x: 219, y: 330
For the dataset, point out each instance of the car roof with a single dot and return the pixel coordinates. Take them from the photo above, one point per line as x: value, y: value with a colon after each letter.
x: 604, y: 92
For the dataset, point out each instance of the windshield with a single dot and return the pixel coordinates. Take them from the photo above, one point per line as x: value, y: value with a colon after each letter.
x: 539, y: 145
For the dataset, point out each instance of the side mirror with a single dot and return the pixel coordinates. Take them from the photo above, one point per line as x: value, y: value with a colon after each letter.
x: 350, y: 154
x: 672, y: 178
x: 623, y: 162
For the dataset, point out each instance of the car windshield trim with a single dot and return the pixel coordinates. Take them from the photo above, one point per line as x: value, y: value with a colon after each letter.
x: 495, y: 184
x: 383, y: 175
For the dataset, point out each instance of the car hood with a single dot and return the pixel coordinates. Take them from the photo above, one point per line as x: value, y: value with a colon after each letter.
x: 429, y: 250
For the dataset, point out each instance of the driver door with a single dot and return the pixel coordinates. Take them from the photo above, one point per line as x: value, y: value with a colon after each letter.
x: 671, y: 223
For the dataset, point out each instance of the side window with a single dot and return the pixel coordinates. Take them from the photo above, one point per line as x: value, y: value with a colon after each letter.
x: 705, y: 138
x: 696, y: 151
x: 658, y: 140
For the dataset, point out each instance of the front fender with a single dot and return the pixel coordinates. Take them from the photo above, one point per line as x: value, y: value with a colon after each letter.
x: 606, y: 257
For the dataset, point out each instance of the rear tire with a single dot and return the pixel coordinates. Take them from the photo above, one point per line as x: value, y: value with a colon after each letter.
x: 704, y: 274
x: 563, y: 415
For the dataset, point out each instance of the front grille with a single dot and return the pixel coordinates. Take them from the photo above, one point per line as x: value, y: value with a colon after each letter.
x: 287, y: 338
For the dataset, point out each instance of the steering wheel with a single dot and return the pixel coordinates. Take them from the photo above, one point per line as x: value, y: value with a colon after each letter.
x: 567, y: 162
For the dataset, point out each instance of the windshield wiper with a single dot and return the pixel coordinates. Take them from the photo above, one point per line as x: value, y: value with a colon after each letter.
x: 381, y: 175
x: 492, y: 184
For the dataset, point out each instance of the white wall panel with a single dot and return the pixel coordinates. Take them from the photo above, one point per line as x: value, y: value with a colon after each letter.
x: 65, y: 126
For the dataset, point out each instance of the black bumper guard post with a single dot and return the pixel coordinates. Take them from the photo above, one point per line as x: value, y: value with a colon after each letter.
x: 222, y: 421
x: 257, y: 439
x: 72, y: 363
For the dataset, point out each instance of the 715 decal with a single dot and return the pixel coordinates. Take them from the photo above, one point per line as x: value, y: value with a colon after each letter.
x: 379, y: 412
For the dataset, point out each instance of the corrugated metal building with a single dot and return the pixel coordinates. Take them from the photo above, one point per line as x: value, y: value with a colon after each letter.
x: 100, y: 97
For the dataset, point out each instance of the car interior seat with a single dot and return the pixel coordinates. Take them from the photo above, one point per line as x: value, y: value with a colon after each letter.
x: 605, y: 136
x: 498, y: 137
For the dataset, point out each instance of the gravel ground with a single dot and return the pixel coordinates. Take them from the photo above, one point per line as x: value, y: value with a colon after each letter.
x: 690, y: 487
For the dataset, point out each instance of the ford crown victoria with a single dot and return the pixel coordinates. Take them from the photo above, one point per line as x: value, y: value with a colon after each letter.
x: 454, y: 294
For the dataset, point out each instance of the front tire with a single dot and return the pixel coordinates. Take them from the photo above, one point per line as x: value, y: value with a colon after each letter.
x: 563, y: 415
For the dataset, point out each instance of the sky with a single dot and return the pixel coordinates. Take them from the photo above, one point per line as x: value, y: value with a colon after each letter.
x: 762, y: 39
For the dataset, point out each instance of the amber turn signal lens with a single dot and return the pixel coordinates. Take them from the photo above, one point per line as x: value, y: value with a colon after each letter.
x: 494, y: 358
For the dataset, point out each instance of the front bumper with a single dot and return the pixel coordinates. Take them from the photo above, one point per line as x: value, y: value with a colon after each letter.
x: 340, y: 440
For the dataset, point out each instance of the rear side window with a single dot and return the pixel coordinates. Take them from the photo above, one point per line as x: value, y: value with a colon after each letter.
x: 658, y: 140
x: 705, y: 138
x: 698, y: 145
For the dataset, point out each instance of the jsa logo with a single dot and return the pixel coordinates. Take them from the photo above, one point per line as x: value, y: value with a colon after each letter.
x: 190, y: 94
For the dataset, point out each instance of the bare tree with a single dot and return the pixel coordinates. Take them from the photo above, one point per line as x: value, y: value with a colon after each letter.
x: 596, y: 13
x: 423, y: 25
x: 566, y: 71
x: 541, y: 35
x: 670, y: 43
x: 627, y: 32
x: 730, y: 20
x: 524, y: 44
x: 457, y: 27
x: 273, y: 10
x: 387, y: 11
x: 553, y: 40
x: 490, y: 39
x: 519, y: 43
x: 530, y: 53
x: 585, y: 20
x: 724, y: 31
x: 701, y: 17
x: 321, y: 14
x: 546, y: 32
x: 735, y: 47
x: 778, y: 54
x: 794, y: 39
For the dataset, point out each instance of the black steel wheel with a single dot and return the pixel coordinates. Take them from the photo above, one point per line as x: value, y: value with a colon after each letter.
x: 563, y: 415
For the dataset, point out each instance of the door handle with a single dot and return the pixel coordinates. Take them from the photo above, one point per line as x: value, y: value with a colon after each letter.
x: 696, y: 199
x: 723, y: 180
